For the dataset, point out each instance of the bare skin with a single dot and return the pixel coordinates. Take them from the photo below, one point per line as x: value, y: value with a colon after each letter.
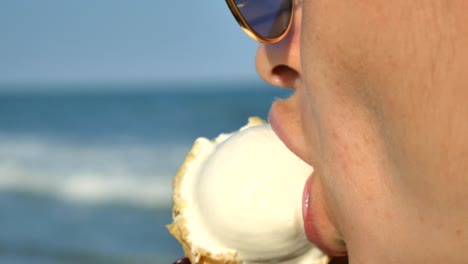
x: 380, y: 109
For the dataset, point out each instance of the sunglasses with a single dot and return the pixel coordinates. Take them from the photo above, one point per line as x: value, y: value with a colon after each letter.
x: 266, y: 21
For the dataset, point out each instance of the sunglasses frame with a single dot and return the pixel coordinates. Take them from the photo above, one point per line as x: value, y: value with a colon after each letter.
x: 250, y: 31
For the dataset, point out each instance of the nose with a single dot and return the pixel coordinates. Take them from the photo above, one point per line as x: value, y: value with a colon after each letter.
x: 279, y: 63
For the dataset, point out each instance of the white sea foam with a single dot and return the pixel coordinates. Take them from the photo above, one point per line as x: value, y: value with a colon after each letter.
x: 133, y: 174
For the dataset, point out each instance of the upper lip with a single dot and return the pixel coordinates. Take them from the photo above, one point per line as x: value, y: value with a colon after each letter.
x: 283, y: 117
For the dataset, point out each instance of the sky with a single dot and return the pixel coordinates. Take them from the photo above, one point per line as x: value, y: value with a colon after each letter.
x: 122, y: 40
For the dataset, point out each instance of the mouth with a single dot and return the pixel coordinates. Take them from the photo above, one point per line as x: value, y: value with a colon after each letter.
x: 284, y: 119
x: 280, y: 120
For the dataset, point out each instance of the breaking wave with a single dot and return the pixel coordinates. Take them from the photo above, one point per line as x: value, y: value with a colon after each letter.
x: 93, y: 174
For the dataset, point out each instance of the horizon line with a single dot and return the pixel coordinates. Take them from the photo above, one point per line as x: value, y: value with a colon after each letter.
x: 68, y: 86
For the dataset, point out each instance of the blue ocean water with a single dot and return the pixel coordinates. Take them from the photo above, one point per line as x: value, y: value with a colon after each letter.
x: 86, y: 171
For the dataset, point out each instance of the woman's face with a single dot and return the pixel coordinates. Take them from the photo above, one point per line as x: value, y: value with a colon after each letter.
x: 380, y: 110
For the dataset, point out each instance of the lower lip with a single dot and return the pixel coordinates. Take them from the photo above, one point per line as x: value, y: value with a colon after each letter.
x: 308, y: 215
x: 310, y: 219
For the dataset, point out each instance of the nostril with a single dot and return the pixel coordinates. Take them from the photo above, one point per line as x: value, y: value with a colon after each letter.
x: 284, y: 76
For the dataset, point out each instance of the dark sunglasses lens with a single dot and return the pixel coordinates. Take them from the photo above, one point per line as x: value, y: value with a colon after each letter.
x: 269, y: 18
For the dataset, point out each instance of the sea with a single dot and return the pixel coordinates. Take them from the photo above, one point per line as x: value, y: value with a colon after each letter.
x: 86, y: 169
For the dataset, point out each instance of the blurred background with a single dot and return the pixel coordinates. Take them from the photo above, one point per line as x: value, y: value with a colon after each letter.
x: 99, y: 103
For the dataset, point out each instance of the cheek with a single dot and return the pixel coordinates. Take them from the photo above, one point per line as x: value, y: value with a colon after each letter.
x: 346, y: 128
x: 352, y: 55
x: 375, y: 122
x: 358, y: 43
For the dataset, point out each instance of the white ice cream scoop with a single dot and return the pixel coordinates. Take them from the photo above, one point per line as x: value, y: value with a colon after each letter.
x: 237, y: 199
